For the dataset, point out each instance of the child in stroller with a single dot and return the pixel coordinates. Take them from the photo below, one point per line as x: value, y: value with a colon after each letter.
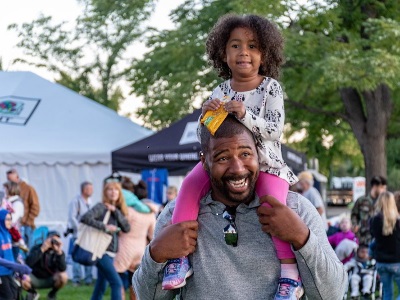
x: 362, y: 274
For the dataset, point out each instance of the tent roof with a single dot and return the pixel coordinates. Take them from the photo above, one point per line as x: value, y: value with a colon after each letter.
x: 44, y: 122
x: 177, y: 149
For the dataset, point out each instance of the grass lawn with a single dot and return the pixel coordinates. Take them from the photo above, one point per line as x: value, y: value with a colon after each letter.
x: 69, y: 292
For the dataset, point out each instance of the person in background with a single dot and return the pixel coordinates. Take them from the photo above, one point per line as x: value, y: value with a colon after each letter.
x: 131, y: 200
x: 363, y: 210
x: 78, y: 206
x: 362, y: 273
x: 114, y: 202
x: 14, y: 204
x: 31, y: 205
x: 306, y: 183
x: 344, y: 242
x: 385, y: 229
x: 8, y: 287
x: 141, y: 193
x: 131, y: 245
x: 172, y: 192
x: 47, y: 261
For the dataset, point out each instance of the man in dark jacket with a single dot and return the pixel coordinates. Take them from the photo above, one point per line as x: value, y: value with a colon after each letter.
x: 48, y: 265
x: 363, y: 210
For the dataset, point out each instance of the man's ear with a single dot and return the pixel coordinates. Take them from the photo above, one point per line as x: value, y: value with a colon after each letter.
x: 204, y: 163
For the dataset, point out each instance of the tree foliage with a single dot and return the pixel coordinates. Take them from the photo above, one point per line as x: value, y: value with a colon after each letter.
x: 90, y: 56
x: 340, y: 77
x: 342, y: 69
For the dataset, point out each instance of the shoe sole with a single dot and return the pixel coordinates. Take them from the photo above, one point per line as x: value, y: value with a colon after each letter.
x: 188, y: 274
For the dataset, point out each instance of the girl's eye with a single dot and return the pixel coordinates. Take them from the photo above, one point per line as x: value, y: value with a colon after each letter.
x: 235, y: 46
x: 253, y: 46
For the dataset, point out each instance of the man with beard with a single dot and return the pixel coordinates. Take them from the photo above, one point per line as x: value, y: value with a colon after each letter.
x: 230, y: 245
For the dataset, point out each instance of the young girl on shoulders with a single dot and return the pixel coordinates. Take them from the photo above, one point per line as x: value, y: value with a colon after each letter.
x: 246, y: 51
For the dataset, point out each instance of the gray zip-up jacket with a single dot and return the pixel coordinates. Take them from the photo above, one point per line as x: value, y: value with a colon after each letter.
x: 251, y: 270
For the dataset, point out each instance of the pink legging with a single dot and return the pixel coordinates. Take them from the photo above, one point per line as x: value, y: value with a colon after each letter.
x: 197, y: 183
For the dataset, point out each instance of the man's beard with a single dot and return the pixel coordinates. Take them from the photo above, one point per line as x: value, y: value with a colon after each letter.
x: 223, y: 188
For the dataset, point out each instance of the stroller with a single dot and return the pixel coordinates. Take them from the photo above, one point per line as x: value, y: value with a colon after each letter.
x: 358, y: 276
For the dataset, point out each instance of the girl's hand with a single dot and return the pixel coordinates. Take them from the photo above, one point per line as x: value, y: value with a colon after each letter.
x: 110, y: 207
x: 212, y: 104
x: 236, y: 108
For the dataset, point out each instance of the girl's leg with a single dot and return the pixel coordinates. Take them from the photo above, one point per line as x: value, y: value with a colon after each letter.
x: 289, y: 284
x: 194, y: 187
x: 278, y: 188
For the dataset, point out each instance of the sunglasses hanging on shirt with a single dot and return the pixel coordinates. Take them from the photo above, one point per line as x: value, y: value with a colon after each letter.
x: 230, y: 230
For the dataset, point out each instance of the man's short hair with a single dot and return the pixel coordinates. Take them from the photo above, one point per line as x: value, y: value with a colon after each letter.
x: 378, y: 180
x: 230, y: 127
x: 85, y: 184
x: 53, y: 233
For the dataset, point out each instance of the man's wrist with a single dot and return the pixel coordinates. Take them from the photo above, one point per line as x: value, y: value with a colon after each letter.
x: 156, y: 257
x: 301, y: 240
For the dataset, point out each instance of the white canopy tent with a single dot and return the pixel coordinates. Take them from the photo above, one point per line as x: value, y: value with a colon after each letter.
x: 57, y: 139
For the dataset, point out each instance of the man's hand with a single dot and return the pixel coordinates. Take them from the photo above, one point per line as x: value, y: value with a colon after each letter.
x: 174, y: 241
x: 46, y: 245
x: 282, y: 222
x: 57, y: 244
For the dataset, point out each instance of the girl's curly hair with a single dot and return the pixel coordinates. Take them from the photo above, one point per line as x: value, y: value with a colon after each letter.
x: 269, y: 40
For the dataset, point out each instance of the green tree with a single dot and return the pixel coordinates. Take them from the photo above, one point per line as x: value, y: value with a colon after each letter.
x: 341, y: 73
x: 342, y: 69
x: 91, y: 57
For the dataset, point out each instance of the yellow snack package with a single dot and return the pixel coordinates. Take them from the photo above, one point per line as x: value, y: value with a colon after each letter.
x: 214, y: 118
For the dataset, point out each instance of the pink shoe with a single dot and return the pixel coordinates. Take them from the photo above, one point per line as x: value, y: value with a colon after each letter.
x: 175, y: 273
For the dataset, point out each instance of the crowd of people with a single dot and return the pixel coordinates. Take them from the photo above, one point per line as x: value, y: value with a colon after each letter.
x: 26, y: 265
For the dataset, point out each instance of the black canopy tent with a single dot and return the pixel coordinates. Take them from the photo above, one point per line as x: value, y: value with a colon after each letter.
x: 176, y: 148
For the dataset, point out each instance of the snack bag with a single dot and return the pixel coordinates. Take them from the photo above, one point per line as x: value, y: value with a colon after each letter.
x: 214, y: 118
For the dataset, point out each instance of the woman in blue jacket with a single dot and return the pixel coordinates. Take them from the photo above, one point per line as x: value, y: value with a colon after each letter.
x: 8, y: 287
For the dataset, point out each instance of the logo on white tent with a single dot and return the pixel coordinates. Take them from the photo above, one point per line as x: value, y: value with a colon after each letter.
x: 17, y: 110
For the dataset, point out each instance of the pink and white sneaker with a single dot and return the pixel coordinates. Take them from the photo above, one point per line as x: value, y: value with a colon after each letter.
x: 175, y: 273
x: 289, y: 289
